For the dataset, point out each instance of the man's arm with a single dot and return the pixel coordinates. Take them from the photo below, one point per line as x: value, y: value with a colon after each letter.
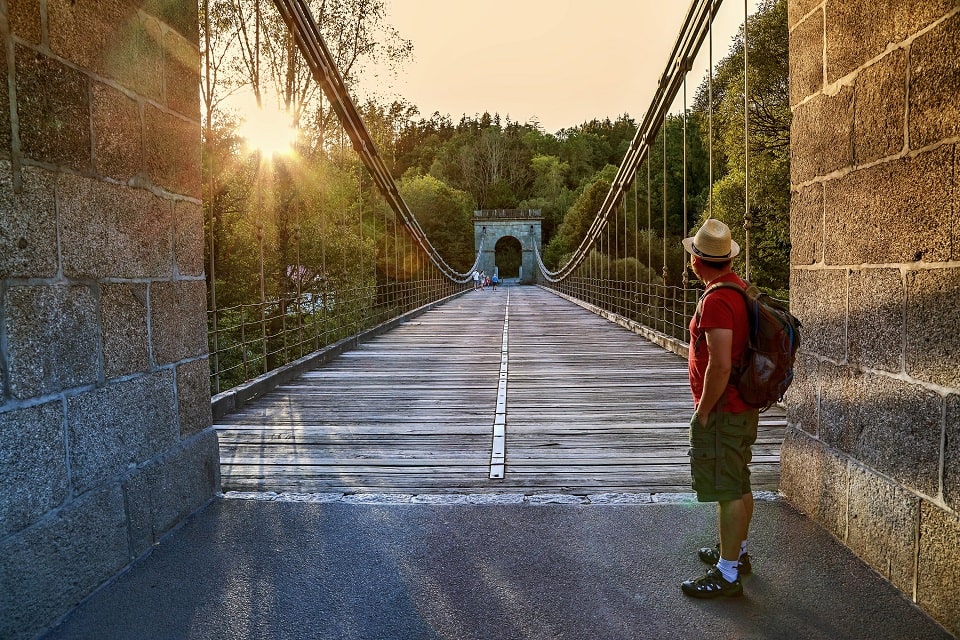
x: 717, y: 375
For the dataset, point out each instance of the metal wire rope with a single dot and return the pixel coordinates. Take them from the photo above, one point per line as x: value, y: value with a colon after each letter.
x: 747, y: 221
x: 696, y: 27
x: 299, y: 20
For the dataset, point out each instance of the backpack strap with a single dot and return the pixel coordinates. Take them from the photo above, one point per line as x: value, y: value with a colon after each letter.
x: 751, y: 328
x: 722, y: 285
x: 751, y: 310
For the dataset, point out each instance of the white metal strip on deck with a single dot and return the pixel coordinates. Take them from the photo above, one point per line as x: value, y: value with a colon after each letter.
x: 499, y: 445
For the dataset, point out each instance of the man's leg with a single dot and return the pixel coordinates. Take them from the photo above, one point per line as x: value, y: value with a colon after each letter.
x: 734, y: 516
x: 748, y: 504
x: 722, y: 580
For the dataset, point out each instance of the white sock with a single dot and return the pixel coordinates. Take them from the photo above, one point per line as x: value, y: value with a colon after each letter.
x: 743, y: 547
x: 729, y: 569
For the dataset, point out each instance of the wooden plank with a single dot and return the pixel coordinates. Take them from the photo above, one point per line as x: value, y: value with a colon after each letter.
x: 589, y: 407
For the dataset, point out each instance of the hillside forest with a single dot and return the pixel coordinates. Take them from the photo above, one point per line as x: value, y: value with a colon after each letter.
x: 314, y: 214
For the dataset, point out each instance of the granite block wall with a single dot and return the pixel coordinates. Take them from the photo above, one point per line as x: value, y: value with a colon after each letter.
x: 872, y: 447
x: 105, y: 439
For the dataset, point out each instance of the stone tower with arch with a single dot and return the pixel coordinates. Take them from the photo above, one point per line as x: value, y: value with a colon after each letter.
x: 491, y: 226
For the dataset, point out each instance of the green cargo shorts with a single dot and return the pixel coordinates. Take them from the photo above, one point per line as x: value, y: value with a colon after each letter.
x: 720, y: 454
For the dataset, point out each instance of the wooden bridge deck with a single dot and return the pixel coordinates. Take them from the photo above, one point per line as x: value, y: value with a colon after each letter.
x: 590, y: 408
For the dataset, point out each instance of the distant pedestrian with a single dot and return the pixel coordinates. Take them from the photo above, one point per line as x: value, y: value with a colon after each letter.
x: 723, y: 427
x: 476, y: 279
x: 494, y: 281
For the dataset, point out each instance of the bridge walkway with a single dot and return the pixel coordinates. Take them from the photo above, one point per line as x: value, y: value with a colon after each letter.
x: 588, y: 407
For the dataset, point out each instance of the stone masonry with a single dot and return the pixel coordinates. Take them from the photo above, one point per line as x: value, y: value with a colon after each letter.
x: 490, y: 225
x: 873, y: 447
x: 105, y: 442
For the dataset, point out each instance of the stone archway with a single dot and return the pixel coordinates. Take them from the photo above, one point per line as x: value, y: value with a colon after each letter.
x: 508, y: 253
x: 492, y: 225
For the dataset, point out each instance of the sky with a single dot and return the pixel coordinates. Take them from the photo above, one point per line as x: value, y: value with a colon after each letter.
x: 561, y: 62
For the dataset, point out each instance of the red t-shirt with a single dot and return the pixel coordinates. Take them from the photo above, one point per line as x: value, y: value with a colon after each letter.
x: 722, y: 309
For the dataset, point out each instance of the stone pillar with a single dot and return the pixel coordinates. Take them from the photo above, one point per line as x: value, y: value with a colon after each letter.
x: 490, y: 226
x: 531, y: 239
x: 873, y: 447
x: 105, y: 442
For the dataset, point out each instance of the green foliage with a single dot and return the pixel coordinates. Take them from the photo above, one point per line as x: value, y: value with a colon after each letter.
x: 579, y: 217
x: 627, y: 269
x: 553, y: 196
x: 417, y: 143
x: 768, y: 150
x: 445, y: 214
x: 594, y: 144
x: 651, y: 250
x: 490, y: 164
x: 511, y: 165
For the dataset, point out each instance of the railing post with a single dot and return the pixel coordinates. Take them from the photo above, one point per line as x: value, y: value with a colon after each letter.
x: 298, y: 274
x: 243, y: 342
x: 263, y: 296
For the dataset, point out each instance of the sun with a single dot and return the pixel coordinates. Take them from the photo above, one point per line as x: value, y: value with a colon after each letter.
x: 269, y: 131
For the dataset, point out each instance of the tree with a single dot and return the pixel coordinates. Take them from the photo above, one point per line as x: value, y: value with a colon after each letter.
x: 768, y: 171
x: 385, y: 123
x: 579, y: 217
x: 591, y: 145
x: 246, y: 44
x: 218, y: 38
x: 677, y: 194
x: 358, y: 37
x: 355, y: 32
x: 419, y: 142
x: 494, y: 168
x: 445, y: 214
x: 551, y: 194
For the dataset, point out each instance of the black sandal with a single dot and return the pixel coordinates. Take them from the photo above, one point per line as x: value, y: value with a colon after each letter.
x: 712, y: 585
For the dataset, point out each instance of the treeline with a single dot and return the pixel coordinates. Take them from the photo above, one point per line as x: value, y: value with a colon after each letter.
x: 321, y: 220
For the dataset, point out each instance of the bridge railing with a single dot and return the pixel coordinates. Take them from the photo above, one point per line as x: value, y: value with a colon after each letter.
x: 662, y: 309
x: 248, y: 340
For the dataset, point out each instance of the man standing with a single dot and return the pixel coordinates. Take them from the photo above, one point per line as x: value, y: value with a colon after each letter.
x: 723, y: 428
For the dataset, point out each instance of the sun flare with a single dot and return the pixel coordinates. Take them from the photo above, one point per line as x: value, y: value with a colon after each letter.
x: 269, y: 131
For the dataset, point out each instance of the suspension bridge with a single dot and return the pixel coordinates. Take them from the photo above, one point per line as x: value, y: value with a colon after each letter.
x: 589, y: 409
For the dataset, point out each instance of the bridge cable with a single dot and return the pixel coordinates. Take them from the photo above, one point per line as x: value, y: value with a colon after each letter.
x: 299, y: 20
x: 747, y: 220
x: 697, y: 26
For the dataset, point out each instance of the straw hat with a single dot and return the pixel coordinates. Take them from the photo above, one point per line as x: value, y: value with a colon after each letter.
x: 712, y: 242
